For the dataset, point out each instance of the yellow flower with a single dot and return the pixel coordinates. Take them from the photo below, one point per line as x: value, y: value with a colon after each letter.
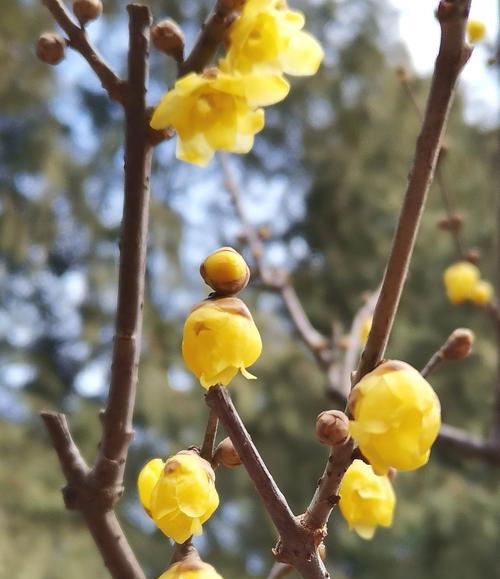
x: 396, y: 417
x: 476, y: 31
x: 366, y: 500
x: 459, y: 280
x: 190, y: 569
x: 225, y: 271
x: 182, y: 497
x: 216, y: 111
x: 365, y: 330
x: 482, y: 293
x: 220, y: 338
x: 267, y: 36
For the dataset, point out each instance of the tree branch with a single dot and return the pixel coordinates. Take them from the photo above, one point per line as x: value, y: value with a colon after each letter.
x: 279, y: 570
x: 211, y: 36
x: 95, y: 492
x: 79, y: 41
x: 452, y: 56
x: 298, y: 544
x: 207, y: 447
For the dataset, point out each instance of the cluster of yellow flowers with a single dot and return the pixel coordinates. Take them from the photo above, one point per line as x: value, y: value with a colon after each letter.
x: 396, y: 418
x: 179, y: 494
x: 220, y: 109
x: 463, y: 283
x: 220, y: 337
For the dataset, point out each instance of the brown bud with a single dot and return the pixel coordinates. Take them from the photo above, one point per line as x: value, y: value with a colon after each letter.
x: 264, y: 232
x: 402, y: 73
x: 168, y: 38
x: 456, y: 221
x: 473, y: 255
x: 86, y: 10
x: 226, y: 454
x: 50, y: 48
x: 332, y: 427
x: 458, y: 345
x: 225, y: 271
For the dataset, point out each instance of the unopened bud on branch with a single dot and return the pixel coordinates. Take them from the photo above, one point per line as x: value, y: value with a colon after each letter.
x: 332, y: 427
x: 459, y: 344
x: 473, y: 255
x: 226, y: 454
x: 225, y: 271
x: 50, y: 48
x: 86, y: 10
x: 168, y: 38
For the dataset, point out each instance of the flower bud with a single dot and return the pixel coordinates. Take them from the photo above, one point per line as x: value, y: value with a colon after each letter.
x: 332, y: 427
x: 476, y: 31
x: 168, y: 38
x: 50, y: 48
x: 473, y: 255
x: 226, y: 454
x: 86, y: 10
x: 225, y: 271
x: 459, y: 280
x: 458, y: 345
x: 482, y: 293
x: 190, y: 568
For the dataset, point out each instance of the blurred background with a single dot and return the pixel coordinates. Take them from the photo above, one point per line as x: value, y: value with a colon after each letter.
x: 325, y: 180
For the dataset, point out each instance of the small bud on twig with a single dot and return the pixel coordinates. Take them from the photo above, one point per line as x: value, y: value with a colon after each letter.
x: 473, y: 255
x: 458, y: 345
x: 332, y: 427
x: 169, y: 38
x: 86, y: 10
x: 50, y: 48
x: 226, y: 454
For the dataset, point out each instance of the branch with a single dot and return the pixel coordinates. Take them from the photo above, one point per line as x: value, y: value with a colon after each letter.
x: 452, y: 56
x: 95, y: 492
x: 211, y: 36
x: 458, y: 345
x: 207, y: 447
x: 275, y: 281
x: 495, y: 307
x: 279, y: 570
x: 469, y: 444
x: 298, y: 544
x: 79, y: 41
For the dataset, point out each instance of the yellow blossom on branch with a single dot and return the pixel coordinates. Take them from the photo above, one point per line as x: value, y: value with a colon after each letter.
x: 366, y: 499
x: 225, y: 271
x: 220, y: 338
x: 482, y: 293
x: 396, y: 417
x: 190, y: 569
x: 269, y: 37
x: 182, y: 497
x: 459, y: 280
x: 217, y: 111
x: 476, y: 31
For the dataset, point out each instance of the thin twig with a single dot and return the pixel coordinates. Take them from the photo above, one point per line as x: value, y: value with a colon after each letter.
x: 95, y: 493
x: 207, y: 447
x: 279, y: 570
x: 495, y: 308
x: 275, y: 280
x: 452, y: 56
x: 298, y: 544
x: 211, y: 36
x: 79, y: 41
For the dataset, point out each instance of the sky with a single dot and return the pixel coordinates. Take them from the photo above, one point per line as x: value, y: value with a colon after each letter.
x: 420, y: 31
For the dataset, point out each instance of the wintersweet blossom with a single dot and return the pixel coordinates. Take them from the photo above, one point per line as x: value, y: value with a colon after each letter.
x: 366, y: 499
x: 268, y: 36
x: 459, y: 280
x: 396, y: 417
x: 476, y: 31
x: 217, y: 111
x: 220, y: 338
x: 183, y: 496
x: 482, y: 293
x: 190, y: 569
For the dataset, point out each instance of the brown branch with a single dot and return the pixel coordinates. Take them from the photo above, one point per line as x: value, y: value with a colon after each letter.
x: 211, y: 36
x: 79, y: 41
x: 298, y: 544
x: 278, y: 281
x: 207, y: 447
x: 495, y: 307
x: 469, y: 444
x: 95, y: 492
x: 452, y: 56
